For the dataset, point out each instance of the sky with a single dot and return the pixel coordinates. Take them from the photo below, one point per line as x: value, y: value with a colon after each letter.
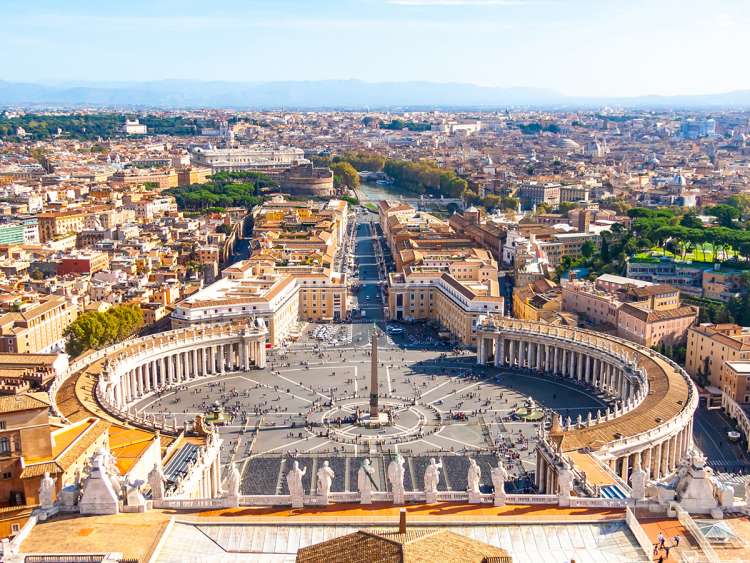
x: 575, y: 47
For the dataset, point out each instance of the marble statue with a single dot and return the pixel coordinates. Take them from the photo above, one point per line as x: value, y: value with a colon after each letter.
x: 474, y: 475
x: 431, y: 480
x: 725, y: 494
x: 396, y: 474
x: 564, y: 485
x: 638, y: 480
x: 294, y: 482
x: 325, y: 480
x: 499, y: 475
x: 134, y: 498
x: 696, y: 490
x: 47, y: 491
x: 156, y: 482
x: 232, y: 491
x: 364, y: 482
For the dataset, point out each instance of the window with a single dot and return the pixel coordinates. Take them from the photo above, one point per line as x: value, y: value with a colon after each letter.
x: 2, y: 425
x: 7, y: 475
x: 4, y: 445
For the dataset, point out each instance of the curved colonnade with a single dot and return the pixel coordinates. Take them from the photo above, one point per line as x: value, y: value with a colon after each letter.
x: 655, y: 399
x: 152, y: 364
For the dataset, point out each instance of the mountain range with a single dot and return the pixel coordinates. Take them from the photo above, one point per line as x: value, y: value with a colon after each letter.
x: 329, y: 94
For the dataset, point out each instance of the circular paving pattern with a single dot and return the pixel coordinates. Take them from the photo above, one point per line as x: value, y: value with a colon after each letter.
x: 346, y: 422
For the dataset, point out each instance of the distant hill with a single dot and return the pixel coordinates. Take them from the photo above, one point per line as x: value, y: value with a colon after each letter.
x: 321, y: 94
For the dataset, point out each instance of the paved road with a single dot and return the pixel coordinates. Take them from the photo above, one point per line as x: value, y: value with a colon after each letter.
x: 710, y: 434
x: 368, y: 297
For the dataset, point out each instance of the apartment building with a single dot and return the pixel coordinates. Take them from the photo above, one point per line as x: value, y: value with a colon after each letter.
x: 568, y: 244
x: 440, y: 276
x: 37, y: 327
x: 686, y: 277
x: 288, y: 277
x: 540, y: 300
x: 646, y: 313
x: 486, y: 234
x: 83, y: 263
x: 710, y: 346
x: 56, y: 224
x: 281, y: 298
x: 574, y: 193
x: 431, y: 294
x: 31, y: 445
x: 193, y: 175
x: 163, y: 178
x: 532, y: 194
x: 735, y: 381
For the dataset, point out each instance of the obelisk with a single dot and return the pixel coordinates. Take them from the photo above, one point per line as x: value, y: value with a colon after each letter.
x: 374, y: 414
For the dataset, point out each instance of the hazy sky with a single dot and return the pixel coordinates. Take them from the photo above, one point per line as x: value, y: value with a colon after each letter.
x: 578, y: 47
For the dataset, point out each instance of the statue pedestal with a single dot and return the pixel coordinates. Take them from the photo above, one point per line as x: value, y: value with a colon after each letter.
x: 233, y: 501
x: 378, y: 420
x: 365, y: 497
x: 499, y: 500
x: 323, y: 499
x: 298, y: 502
x: 563, y: 500
x: 398, y: 498
x: 430, y: 497
x: 474, y: 498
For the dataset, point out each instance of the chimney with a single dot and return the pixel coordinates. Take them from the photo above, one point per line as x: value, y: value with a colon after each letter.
x: 402, y: 521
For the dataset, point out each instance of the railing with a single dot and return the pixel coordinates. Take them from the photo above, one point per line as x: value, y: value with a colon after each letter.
x: 344, y: 497
x: 265, y: 500
x: 689, y: 524
x: 639, y: 533
x: 627, y: 350
x: 191, y: 504
x: 581, y: 502
x: 12, y: 547
x: 168, y: 338
x: 531, y: 499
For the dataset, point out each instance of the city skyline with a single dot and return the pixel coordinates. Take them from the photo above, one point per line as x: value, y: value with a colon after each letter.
x: 577, y: 48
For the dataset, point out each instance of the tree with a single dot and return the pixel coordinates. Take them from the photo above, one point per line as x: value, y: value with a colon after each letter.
x: 543, y: 207
x: 509, y: 203
x: 491, y: 201
x: 691, y: 221
x: 344, y: 174
x: 566, y: 206
x: 741, y: 202
x: 726, y: 214
x: 587, y: 249
x: 95, y: 330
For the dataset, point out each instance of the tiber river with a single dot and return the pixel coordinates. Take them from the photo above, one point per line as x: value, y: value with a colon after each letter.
x: 376, y: 192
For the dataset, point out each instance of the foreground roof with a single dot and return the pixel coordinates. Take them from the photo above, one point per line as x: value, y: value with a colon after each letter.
x: 414, y: 546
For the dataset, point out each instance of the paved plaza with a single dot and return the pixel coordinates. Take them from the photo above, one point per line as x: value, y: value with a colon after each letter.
x: 304, y: 404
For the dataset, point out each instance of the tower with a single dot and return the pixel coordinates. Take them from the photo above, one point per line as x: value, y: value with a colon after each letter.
x: 374, y: 413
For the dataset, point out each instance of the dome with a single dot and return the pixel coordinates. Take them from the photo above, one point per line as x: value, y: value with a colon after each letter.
x: 569, y: 143
x: 679, y: 180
